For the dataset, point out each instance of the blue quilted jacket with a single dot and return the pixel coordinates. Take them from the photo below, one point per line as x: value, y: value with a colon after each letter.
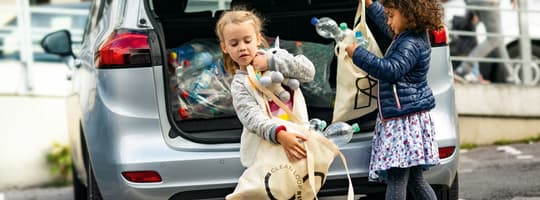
x: 402, y: 73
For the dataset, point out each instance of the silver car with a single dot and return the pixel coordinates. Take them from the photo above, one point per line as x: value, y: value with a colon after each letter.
x: 136, y: 131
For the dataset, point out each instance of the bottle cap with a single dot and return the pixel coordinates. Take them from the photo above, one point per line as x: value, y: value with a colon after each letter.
x: 314, y: 21
x: 358, y: 34
x: 173, y: 55
x: 322, y: 125
x: 343, y: 26
x: 355, y: 128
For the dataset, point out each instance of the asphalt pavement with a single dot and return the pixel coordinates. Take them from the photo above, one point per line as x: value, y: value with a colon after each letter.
x: 507, y: 172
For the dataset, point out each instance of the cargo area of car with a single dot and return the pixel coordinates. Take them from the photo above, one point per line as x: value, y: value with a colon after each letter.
x: 290, y: 20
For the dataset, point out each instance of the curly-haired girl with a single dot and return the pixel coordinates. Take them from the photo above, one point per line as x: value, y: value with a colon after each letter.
x: 404, y: 140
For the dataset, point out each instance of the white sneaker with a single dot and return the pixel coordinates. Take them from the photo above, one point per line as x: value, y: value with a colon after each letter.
x: 471, y: 78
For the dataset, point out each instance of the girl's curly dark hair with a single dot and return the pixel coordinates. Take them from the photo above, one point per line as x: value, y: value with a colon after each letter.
x: 421, y: 15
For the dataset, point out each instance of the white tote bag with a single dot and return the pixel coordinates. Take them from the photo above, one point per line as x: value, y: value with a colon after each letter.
x: 356, y: 91
x: 273, y: 176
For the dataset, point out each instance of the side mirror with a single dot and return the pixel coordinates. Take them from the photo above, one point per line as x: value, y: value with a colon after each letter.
x: 58, y: 42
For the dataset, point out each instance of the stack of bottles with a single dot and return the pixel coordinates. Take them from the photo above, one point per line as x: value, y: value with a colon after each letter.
x: 328, y: 28
x: 199, y: 82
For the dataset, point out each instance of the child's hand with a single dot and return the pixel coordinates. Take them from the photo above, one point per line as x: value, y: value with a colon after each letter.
x: 290, y: 142
x: 368, y: 3
x: 350, y: 49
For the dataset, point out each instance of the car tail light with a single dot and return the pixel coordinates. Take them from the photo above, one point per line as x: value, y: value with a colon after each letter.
x: 439, y: 37
x: 124, y: 48
x: 445, y: 152
x: 142, y: 176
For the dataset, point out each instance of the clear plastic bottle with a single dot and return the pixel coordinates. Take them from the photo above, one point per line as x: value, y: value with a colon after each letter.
x: 340, y: 132
x: 327, y: 28
x: 196, y: 54
x: 184, y: 52
x: 317, y: 124
x: 348, y: 34
x: 360, y: 40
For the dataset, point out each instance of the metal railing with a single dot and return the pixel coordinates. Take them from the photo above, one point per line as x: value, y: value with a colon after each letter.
x: 24, y: 39
x: 16, y: 29
x: 524, y: 70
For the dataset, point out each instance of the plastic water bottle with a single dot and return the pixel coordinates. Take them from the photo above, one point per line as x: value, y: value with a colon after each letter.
x: 340, y: 132
x: 327, y: 28
x: 348, y: 34
x: 360, y: 40
x: 198, y: 56
x: 317, y: 124
x: 202, y: 59
x: 184, y: 52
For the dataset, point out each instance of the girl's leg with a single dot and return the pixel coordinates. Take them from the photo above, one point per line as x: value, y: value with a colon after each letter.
x: 396, y: 185
x: 418, y: 187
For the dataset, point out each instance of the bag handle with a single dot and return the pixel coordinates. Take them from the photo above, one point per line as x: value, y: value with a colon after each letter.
x: 310, y: 159
x: 350, y: 193
x: 253, y: 80
x: 360, y: 14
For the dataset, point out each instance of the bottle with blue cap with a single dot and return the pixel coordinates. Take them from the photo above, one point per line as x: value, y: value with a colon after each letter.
x: 327, y: 28
x: 360, y: 40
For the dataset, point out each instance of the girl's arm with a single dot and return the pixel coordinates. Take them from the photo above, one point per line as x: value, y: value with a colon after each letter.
x: 368, y: 3
x: 249, y: 112
x: 375, y: 11
x: 251, y: 116
x: 394, y: 65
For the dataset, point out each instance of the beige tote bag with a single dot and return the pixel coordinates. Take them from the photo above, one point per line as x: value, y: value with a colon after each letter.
x: 273, y: 176
x: 356, y: 91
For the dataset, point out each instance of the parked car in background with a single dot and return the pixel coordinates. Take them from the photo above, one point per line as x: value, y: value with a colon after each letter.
x: 510, y: 27
x: 141, y: 127
x: 44, y: 19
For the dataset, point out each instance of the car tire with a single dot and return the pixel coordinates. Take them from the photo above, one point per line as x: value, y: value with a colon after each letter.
x: 93, y: 189
x: 448, y: 193
x: 79, y: 189
x: 453, y: 193
x: 514, y: 53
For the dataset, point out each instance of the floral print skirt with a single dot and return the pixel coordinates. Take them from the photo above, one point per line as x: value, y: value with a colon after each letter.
x: 403, y: 142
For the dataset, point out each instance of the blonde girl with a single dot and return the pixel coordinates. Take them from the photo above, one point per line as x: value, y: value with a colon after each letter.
x: 240, y: 35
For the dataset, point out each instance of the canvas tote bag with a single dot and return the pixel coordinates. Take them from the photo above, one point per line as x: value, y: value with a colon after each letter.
x: 356, y: 91
x: 273, y: 176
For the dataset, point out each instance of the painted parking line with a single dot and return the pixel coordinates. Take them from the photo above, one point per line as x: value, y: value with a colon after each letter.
x: 515, y: 152
x: 510, y: 150
x: 525, y: 157
x: 2, y: 196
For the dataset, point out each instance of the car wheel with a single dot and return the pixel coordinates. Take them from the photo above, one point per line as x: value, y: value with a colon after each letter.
x: 514, y: 53
x: 445, y: 193
x: 453, y: 193
x: 79, y: 189
x: 93, y: 189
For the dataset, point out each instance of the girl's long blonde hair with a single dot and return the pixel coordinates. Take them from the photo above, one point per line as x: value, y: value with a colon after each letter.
x: 238, y: 15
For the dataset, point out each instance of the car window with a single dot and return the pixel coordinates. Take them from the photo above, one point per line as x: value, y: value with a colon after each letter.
x: 95, y: 15
x: 197, y: 6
